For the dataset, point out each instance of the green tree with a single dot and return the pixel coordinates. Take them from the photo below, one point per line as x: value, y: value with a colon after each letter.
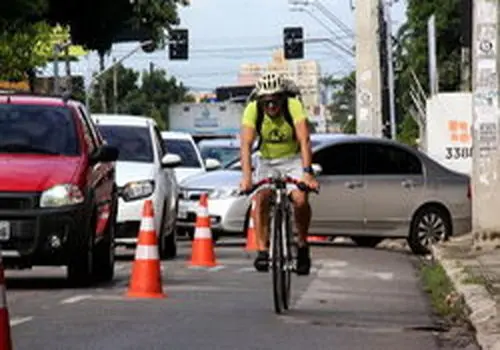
x: 151, y: 98
x: 343, y: 97
x: 161, y: 93
x: 408, y: 131
x: 411, y: 55
x: 21, y: 50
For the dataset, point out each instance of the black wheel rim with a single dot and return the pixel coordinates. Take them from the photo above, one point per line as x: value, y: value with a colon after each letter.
x: 277, y: 262
x: 431, y: 229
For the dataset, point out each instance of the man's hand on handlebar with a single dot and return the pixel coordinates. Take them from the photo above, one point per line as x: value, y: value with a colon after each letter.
x: 311, y: 182
x: 246, y: 184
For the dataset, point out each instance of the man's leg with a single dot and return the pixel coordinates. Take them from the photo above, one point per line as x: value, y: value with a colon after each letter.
x: 302, y: 213
x: 262, y: 229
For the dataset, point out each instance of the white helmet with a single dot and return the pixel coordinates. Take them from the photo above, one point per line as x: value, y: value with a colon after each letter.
x: 269, y: 83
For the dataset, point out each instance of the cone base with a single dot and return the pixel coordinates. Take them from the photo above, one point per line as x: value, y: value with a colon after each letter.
x: 203, y: 253
x: 146, y: 295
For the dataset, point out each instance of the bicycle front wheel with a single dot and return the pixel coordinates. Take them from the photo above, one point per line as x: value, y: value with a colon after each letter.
x: 287, y: 240
x: 277, y: 260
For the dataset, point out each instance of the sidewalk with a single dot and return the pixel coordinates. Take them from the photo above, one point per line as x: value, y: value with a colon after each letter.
x: 472, y: 263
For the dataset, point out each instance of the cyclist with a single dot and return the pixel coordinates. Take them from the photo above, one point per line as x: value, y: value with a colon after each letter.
x: 281, y: 123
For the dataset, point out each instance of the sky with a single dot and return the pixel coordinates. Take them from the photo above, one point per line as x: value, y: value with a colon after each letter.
x: 224, y: 34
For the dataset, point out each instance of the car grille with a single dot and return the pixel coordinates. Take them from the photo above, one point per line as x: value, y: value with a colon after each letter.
x: 193, y: 194
x: 18, y: 201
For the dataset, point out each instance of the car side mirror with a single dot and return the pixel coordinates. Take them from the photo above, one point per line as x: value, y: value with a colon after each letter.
x: 171, y: 160
x: 105, y: 153
x: 212, y: 164
x: 317, y: 169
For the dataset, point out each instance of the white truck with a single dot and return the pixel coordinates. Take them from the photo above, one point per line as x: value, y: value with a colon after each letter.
x: 206, y: 120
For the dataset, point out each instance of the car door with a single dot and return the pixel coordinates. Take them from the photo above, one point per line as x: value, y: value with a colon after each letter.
x: 394, y: 185
x: 338, y: 209
x: 101, y: 174
x: 169, y: 186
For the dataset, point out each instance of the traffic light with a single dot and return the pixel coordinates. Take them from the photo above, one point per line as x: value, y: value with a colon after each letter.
x: 178, y: 44
x: 293, y: 40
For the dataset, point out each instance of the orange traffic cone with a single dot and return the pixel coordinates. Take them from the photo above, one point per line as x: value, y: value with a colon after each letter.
x: 251, y: 234
x: 5, y: 337
x: 145, y: 281
x: 203, y: 248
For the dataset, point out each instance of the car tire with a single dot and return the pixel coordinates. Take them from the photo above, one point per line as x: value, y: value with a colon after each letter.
x: 168, y: 240
x: 430, y: 224
x: 366, y: 241
x: 81, y: 264
x: 104, y: 256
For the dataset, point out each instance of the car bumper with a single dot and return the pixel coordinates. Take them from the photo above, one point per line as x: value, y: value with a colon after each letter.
x: 226, y: 215
x: 461, y: 226
x: 129, y: 219
x: 41, y: 236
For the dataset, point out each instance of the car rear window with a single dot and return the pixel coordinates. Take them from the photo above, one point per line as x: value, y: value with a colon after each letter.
x: 186, y: 150
x: 38, y: 130
x: 134, y: 142
x: 224, y: 155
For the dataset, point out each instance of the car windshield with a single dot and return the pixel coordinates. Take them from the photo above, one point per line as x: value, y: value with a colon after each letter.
x: 186, y: 150
x: 134, y: 142
x: 38, y: 129
x: 224, y: 155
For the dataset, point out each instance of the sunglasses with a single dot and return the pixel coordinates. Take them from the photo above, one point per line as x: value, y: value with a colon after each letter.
x: 270, y: 102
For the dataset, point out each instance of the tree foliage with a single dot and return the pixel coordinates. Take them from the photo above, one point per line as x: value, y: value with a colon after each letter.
x: 22, y: 50
x: 152, y: 97
x: 94, y: 24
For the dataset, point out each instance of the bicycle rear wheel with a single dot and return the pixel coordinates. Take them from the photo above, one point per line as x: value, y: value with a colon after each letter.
x: 277, y: 260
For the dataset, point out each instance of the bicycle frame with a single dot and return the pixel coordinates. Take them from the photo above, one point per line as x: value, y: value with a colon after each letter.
x: 281, y: 259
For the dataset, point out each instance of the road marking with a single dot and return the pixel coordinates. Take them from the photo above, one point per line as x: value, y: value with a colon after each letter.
x: 15, y: 321
x: 203, y: 268
x: 75, y: 299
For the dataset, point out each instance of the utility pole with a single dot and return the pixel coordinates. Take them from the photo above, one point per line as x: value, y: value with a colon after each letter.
x: 368, y: 87
x: 390, y: 67
x: 485, y: 85
x: 465, y: 62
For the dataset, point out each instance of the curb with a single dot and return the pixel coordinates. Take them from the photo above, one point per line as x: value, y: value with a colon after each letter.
x: 483, y: 312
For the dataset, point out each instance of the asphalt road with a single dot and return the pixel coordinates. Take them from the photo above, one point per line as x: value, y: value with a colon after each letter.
x: 354, y: 299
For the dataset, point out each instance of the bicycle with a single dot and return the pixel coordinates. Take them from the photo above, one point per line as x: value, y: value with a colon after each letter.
x: 282, y: 260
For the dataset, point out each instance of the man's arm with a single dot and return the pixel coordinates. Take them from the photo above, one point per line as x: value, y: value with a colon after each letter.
x: 299, y: 117
x: 304, y: 139
x: 247, y: 138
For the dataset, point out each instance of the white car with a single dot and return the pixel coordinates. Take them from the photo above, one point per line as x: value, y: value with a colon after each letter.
x: 143, y: 171
x: 192, y: 163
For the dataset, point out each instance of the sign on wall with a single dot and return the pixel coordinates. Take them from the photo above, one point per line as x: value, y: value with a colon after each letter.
x: 449, y: 130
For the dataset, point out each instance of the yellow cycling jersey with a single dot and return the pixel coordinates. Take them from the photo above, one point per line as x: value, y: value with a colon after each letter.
x: 277, y: 135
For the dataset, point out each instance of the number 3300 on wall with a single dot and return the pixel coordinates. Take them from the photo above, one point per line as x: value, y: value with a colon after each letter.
x: 458, y: 152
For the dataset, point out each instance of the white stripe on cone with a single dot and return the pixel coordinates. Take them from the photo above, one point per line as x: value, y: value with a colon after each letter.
x: 147, y: 224
x: 202, y: 232
x: 146, y: 252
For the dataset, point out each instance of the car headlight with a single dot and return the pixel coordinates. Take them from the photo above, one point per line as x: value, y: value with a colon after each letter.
x: 223, y: 193
x: 61, y: 195
x: 138, y: 189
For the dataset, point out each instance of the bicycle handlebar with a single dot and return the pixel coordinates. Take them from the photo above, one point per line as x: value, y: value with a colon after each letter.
x: 287, y: 180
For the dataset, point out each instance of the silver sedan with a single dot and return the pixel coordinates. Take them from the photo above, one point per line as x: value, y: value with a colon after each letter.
x: 371, y: 189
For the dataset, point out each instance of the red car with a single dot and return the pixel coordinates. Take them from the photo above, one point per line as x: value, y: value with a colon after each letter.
x: 58, y: 197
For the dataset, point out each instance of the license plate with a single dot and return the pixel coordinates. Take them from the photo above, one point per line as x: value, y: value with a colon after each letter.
x: 4, y: 230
